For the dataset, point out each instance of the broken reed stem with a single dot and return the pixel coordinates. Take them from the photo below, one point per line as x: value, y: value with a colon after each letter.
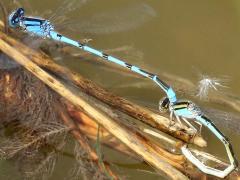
x: 127, y: 137
x: 83, y: 120
x: 79, y: 137
x: 4, y: 12
x: 146, y: 116
x: 89, y: 128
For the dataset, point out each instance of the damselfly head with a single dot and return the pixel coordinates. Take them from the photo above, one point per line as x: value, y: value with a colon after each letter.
x: 164, y: 104
x: 15, y: 18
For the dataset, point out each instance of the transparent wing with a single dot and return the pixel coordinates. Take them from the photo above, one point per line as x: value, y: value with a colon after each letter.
x: 225, y: 120
x: 57, y: 15
x: 64, y: 7
x: 25, y: 4
x: 118, y: 20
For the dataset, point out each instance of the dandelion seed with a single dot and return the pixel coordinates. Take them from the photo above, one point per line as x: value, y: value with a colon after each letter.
x: 206, y: 84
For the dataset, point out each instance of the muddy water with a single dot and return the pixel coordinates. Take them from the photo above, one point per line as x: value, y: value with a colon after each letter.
x: 183, y: 38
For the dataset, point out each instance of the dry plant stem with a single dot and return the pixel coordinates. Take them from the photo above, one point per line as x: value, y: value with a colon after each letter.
x: 148, y: 117
x: 4, y: 12
x: 90, y: 128
x: 79, y: 137
x: 85, y: 124
x: 178, y: 161
x: 126, y: 136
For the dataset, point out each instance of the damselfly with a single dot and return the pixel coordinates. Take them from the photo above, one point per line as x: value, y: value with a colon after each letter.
x: 182, y: 110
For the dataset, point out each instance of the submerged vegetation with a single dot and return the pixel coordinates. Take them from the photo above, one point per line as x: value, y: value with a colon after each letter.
x: 34, y: 134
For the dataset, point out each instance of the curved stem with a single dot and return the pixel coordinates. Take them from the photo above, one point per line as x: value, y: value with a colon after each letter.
x: 4, y: 11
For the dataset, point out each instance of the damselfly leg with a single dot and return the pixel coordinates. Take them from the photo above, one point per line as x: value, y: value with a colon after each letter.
x: 164, y: 106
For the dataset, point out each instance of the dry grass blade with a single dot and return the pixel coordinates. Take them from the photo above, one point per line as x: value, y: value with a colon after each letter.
x: 86, y: 156
x: 5, y: 16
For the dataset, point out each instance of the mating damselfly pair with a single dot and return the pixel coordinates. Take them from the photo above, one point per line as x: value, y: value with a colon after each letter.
x: 179, y: 109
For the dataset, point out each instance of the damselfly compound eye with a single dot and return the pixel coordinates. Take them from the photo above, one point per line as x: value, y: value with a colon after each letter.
x: 20, y: 12
x: 15, y: 17
x: 164, y: 104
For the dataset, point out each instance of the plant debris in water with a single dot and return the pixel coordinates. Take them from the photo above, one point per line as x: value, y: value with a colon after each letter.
x: 32, y: 132
x: 207, y: 84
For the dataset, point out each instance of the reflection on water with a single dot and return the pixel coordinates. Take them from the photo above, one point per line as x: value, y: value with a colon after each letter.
x: 174, y: 36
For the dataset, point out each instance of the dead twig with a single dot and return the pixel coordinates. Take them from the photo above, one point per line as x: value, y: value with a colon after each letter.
x: 5, y: 17
x: 79, y: 137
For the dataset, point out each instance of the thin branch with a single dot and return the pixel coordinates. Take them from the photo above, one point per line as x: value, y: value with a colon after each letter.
x: 79, y: 137
x: 5, y: 17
